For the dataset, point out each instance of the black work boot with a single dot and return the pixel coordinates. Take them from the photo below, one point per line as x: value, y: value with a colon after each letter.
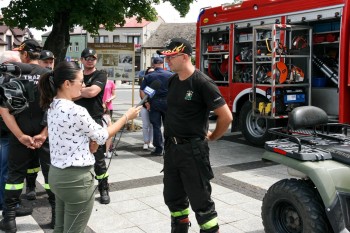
x: 22, y: 210
x: 53, y: 216
x: 30, y: 189
x: 103, y: 187
x: 180, y: 225
x: 52, y: 201
x: 8, y: 223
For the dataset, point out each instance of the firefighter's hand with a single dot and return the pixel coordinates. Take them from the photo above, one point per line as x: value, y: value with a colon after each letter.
x: 39, y: 140
x: 207, y: 138
x: 148, y: 106
x: 27, y: 140
x: 93, y: 146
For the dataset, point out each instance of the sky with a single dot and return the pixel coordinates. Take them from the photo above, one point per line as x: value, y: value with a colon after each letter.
x: 165, y: 10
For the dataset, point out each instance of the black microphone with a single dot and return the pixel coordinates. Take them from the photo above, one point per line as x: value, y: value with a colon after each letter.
x: 150, y: 91
x: 21, y: 68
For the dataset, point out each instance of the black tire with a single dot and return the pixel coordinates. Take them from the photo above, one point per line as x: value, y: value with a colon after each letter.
x: 254, y: 128
x: 294, y: 206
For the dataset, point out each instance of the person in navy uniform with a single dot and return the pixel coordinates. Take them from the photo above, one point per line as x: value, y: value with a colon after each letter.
x: 157, y: 104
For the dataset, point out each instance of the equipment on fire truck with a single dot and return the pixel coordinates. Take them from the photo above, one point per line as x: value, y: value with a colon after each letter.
x: 218, y: 70
x: 246, y: 54
x: 263, y: 74
x: 296, y: 75
x: 281, y: 72
x: 246, y: 75
x: 299, y: 42
x: 325, y: 69
x: 286, y: 100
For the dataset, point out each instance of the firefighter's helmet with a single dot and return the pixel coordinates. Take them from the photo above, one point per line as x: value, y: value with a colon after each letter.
x: 299, y: 42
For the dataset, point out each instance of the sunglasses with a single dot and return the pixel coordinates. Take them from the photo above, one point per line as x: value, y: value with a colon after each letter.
x: 90, y: 58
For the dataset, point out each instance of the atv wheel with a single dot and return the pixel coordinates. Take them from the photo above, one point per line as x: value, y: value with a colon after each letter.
x: 294, y: 206
x: 254, y: 128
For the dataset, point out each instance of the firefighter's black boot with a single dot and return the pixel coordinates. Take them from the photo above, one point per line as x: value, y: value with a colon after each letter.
x: 53, y: 216
x: 103, y: 187
x: 22, y: 210
x: 30, y: 189
x: 52, y: 202
x: 180, y: 225
x: 8, y: 223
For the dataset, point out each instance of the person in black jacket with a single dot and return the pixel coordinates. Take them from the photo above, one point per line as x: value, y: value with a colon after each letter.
x: 28, y: 139
x: 91, y: 98
x: 187, y: 171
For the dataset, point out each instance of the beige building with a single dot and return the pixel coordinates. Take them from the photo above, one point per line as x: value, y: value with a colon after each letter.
x: 132, y: 32
x: 12, y: 37
x: 165, y: 32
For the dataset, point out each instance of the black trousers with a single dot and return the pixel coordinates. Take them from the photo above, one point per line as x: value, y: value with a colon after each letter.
x: 100, y: 163
x: 20, y: 158
x: 187, y: 175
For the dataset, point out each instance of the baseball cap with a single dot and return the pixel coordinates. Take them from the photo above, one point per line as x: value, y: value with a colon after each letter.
x: 29, y: 45
x: 88, y: 52
x: 46, y: 54
x: 157, y: 60
x: 175, y: 46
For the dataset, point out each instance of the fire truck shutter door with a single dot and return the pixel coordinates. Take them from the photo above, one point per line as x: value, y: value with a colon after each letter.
x: 313, y: 15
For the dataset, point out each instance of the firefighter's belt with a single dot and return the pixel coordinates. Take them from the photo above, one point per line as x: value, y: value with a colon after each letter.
x: 177, y: 140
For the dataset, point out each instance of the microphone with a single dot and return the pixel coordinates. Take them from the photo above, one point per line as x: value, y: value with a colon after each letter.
x: 150, y: 91
x: 21, y: 68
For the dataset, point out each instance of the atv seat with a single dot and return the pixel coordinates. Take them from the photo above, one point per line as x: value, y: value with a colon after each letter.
x: 306, y: 116
x: 302, y: 139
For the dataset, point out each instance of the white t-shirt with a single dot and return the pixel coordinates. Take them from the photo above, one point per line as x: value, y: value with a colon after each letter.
x: 70, y: 129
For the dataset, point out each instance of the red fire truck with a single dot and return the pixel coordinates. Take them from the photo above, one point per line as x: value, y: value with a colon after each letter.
x: 270, y: 56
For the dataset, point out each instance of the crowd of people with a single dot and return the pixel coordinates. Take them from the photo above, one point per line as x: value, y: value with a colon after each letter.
x: 68, y: 133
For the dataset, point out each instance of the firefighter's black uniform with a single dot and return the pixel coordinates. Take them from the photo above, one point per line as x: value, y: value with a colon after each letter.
x: 187, y: 170
x: 95, y: 109
x: 20, y: 158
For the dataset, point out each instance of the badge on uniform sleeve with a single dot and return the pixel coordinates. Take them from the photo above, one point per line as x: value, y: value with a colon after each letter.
x: 189, y: 95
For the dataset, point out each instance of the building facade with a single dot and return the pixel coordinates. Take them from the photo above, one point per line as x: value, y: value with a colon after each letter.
x: 12, y: 37
x: 78, y: 42
x: 132, y: 32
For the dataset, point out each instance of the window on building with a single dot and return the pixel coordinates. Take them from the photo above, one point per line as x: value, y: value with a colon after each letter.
x: 76, y: 47
x: 9, y: 42
x: 116, y: 38
x: 70, y: 49
x: 134, y: 39
x: 101, y: 39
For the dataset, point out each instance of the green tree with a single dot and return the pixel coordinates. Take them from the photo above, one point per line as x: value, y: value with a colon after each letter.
x: 63, y: 15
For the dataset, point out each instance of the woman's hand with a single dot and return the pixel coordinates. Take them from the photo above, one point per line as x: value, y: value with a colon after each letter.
x: 133, y: 112
x: 93, y: 146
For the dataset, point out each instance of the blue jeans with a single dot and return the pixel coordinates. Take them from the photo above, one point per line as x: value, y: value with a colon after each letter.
x: 4, y: 146
x: 157, y: 116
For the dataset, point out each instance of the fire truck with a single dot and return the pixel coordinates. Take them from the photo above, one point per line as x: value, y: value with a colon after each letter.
x: 270, y: 56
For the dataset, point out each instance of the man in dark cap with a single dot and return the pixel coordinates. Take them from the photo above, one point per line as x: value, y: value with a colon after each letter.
x: 91, y: 99
x: 187, y: 171
x: 47, y: 59
x: 157, y: 104
x: 28, y: 140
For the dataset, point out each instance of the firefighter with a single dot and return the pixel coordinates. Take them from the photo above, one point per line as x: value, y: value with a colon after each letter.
x: 27, y: 141
x: 187, y: 172
x: 91, y: 99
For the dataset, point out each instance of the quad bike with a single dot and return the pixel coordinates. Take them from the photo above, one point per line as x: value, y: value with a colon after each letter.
x: 318, y: 154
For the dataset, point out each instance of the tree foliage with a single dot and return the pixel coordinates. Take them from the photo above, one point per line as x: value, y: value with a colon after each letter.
x: 63, y: 15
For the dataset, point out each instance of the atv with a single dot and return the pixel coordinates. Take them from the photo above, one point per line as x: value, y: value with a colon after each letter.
x: 317, y: 153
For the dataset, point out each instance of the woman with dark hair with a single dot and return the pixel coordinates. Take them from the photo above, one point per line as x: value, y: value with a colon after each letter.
x: 70, y: 129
